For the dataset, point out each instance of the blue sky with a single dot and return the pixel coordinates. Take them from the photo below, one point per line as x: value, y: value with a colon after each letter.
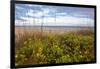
x: 29, y: 14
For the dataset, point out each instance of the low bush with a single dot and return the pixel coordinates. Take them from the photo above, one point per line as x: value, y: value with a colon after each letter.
x: 51, y: 48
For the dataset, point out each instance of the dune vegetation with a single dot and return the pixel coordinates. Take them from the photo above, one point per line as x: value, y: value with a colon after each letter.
x: 52, y: 48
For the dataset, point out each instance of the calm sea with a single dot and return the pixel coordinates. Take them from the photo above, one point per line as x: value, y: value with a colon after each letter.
x: 56, y: 27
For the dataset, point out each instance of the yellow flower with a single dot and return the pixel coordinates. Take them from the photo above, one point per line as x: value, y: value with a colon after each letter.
x: 81, y: 56
x: 16, y: 56
x: 37, y: 54
x: 40, y: 49
x: 25, y: 42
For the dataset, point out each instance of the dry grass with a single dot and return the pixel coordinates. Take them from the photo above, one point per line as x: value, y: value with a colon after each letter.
x: 55, y: 46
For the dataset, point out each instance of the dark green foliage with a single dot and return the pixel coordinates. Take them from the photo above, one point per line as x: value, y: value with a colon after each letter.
x: 51, y: 48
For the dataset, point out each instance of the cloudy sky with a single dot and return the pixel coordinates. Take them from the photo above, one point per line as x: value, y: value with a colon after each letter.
x: 34, y: 15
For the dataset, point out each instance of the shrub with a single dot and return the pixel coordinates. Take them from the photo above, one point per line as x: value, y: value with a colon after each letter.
x: 51, y: 48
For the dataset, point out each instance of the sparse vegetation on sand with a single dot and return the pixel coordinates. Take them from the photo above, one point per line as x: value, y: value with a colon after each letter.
x: 52, y: 48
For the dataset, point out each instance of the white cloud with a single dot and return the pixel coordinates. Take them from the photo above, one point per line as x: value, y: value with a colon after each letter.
x: 18, y: 7
x: 30, y: 12
x: 24, y: 18
x: 69, y: 21
x: 62, y: 13
x: 60, y: 20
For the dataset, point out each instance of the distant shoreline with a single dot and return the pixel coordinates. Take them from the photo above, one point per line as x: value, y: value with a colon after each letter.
x: 61, y: 26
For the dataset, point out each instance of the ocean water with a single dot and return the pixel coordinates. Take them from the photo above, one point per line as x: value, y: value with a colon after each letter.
x: 55, y: 27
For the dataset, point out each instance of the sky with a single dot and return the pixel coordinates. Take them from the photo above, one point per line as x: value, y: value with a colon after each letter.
x: 35, y: 15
